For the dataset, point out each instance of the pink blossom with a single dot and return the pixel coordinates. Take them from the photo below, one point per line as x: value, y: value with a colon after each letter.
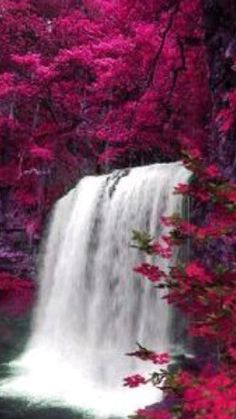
x: 163, y: 251
x: 182, y: 189
x: 212, y: 171
x: 153, y: 414
x: 153, y: 273
x: 134, y: 381
x: 160, y: 359
x: 196, y: 270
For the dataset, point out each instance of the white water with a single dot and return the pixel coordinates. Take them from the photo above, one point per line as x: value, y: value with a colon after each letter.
x: 92, y: 308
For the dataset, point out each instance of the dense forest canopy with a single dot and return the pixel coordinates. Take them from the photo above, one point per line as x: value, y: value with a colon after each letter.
x: 87, y: 85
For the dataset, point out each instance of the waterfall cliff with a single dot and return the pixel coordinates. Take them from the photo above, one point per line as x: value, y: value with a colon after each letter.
x: 92, y: 307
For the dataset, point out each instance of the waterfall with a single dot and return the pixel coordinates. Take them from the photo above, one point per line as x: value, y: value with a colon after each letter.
x: 92, y: 308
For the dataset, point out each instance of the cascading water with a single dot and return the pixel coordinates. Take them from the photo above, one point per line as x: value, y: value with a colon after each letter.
x: 92, y: 308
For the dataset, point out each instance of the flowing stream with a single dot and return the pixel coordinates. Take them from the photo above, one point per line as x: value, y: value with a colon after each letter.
x: 92, y: 308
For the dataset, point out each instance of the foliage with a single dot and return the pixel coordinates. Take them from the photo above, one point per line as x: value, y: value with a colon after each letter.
x: 73, y: 99
x: 87, y: 85
x: 204, y: 289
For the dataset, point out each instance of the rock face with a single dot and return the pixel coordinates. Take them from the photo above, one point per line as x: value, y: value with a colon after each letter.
x: 220, y: 40
x: 220, y: 29
x: 17, y: 248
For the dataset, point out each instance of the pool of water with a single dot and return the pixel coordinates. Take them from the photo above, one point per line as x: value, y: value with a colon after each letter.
x: 14, y: 333
x: 15, y: 409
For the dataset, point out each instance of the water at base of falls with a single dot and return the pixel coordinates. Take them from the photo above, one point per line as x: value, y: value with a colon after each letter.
x: 92, y: 307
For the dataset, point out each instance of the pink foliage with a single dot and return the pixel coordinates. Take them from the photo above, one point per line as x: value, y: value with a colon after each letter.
x: 75, y: 66
x: 153, y: 273
x: 134, y: 381
x: 205, y: 292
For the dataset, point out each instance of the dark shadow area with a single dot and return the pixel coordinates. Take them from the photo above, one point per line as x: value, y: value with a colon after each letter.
x: 13, y: 337
x: 15, y: 409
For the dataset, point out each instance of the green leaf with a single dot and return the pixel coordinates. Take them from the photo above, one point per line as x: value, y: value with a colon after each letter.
x: 143, y: 241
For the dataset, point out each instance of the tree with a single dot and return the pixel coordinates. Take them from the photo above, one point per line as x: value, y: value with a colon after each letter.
x: 204, y: 288
x: 91, y: 85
